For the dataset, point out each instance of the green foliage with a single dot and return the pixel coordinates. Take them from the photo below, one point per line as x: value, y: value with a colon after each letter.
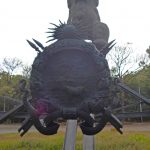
x: 9, y: 88
x: 9, y: 84
x: 9, y: 81
x: 105, y: 140
x: 140, y: 81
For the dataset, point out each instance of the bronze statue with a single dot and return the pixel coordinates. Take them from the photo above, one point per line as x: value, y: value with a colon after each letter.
x: 70, y: 78
x: 84, y: 15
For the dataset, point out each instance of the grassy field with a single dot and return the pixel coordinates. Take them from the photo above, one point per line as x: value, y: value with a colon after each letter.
x: 106, y: 140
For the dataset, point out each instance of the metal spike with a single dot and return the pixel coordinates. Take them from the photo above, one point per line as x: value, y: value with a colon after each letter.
x: 50, y: 40
x: 52, y: 28
x: 107, y: 48
x: 112, y: 46
x: 50, y: 32
x: 50, y: 36
x: 61, y: 23
x: 106, y: 51
x: 109, y: 44
x: 39, y: 44
x: 54, y: 25
x: 33, y: 46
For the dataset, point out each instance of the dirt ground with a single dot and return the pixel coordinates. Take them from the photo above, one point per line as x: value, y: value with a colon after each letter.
x: 126, y: 127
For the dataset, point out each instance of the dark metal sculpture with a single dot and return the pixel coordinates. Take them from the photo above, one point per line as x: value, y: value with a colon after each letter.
x: 70, y: 79
x: 84, y: 15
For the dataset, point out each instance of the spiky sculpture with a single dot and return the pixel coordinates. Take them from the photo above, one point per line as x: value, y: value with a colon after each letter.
x: 63, y: 31
x: 70, y: 79
x: 59, y: 32
x: 35, y: 47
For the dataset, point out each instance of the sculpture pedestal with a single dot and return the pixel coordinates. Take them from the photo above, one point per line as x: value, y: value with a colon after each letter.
x: 70, y: 137
x: 88, y: 142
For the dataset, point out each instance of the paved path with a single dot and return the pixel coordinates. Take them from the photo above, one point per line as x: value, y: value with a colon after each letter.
x: 12, y: 128
x: 126, y: 127
x: 133, y: 127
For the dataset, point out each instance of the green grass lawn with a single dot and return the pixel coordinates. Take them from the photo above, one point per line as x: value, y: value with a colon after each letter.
x: 106, y: 140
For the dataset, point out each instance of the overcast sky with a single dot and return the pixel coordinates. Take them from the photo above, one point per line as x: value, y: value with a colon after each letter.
x: 128, y: 20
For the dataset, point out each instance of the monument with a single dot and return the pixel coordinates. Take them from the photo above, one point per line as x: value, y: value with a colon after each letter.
x: 84, y: 15
x: 70, y: 78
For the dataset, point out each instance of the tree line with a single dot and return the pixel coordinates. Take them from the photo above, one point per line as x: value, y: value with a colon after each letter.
x: 12, y: 70
x: 134, y: 71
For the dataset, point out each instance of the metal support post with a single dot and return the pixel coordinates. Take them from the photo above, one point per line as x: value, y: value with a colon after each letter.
x: 88, y: 142
x: 70, y: 136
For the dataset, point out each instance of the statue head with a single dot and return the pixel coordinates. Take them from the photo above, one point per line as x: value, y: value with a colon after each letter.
x: 71, y: 2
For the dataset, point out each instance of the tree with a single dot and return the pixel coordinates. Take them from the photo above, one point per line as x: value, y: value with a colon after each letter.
x: 148, y: 51
x: 139, y: 80
x: 11, y: 64
x: 8, y: 88
x: 8, y: 80
x: 26, y: 70
x: 123, y: 61
x: 120, y: 60
x: 1, y: 69
x: 143, y: 61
